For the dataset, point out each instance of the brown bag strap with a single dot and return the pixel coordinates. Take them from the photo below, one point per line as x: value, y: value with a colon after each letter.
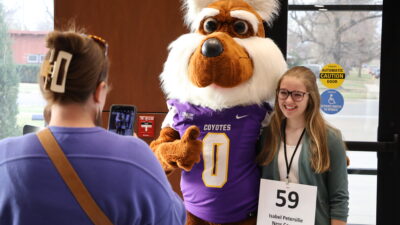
x: 71, y: 178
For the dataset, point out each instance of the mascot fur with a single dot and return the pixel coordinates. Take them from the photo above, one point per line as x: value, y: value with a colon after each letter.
x: 218, y: 80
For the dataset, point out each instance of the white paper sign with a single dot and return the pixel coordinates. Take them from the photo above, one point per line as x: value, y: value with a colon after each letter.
x: 281, y: 203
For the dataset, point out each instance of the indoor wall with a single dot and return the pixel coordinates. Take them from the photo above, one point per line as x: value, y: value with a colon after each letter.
x: 138, y: 33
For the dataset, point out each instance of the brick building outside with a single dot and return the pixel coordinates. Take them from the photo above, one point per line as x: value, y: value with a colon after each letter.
x: 28, y: 47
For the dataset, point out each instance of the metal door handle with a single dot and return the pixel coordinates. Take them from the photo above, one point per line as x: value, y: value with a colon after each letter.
x: 374, y: 146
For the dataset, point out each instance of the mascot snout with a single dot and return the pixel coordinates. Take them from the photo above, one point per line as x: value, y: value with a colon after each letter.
x: 220, y: 60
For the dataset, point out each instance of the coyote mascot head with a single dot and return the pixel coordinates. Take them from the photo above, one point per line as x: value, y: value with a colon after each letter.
x: 218, y: 80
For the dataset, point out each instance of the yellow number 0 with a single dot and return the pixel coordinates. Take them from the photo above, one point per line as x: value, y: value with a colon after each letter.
x: 216, y: 158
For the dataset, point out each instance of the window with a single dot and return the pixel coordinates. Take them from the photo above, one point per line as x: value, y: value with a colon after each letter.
x: 33, y: 59
x: 23, y: 28
x: 348, y: 33
x: 318, y: 38
x: 42, y: 58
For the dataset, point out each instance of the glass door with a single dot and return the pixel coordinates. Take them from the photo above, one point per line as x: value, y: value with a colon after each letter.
x: 344, y: 37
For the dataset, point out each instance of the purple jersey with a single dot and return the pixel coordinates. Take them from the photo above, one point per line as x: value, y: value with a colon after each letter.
x: 224, y: 186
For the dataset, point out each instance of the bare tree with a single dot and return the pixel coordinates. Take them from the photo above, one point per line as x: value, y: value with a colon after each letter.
x: 49, y: 11
x: 11, y: 18
x: 16, y: 17
x: 348, y: 38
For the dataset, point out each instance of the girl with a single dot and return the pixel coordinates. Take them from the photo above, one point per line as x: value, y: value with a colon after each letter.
x: 302, y: 148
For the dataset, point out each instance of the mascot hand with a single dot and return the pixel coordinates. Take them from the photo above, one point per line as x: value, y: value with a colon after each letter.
x: 182, y: 153
x: 192, y: 148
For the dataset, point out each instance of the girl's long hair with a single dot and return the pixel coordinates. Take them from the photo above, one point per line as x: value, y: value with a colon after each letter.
x: 316, y: 128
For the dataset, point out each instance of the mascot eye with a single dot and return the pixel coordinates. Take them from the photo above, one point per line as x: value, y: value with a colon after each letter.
x: 210, y: 25
x: 240, y: 27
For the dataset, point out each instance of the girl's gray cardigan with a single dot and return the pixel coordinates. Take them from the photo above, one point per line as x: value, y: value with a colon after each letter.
x: 332, y: 195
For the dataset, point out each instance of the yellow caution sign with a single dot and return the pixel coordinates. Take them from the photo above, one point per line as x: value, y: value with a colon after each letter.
x: 332, y: 76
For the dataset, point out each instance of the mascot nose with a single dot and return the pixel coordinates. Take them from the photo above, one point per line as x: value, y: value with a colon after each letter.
x: 212, y: 48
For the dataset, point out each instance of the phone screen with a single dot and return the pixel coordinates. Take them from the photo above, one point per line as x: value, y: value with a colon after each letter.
x: 122, y: 119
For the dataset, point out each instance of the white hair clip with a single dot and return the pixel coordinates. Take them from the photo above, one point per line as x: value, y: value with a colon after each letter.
x: 56, y: 71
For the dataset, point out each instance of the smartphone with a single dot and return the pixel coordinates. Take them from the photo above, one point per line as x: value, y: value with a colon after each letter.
x: 122, y: 119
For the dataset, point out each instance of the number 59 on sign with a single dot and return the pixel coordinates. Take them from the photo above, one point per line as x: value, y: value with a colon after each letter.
x: 286, y: 203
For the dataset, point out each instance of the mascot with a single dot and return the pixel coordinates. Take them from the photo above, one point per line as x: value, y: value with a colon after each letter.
x: 218, y: 81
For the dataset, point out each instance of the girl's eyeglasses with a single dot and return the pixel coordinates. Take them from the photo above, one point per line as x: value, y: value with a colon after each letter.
x: 297, y: 96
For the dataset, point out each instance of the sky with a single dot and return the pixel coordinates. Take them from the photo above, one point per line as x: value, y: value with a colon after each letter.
x: 29, y: 14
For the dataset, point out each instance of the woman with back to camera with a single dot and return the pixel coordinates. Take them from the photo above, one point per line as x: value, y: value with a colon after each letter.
x: 300, y: 147
x: 120, y: 172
